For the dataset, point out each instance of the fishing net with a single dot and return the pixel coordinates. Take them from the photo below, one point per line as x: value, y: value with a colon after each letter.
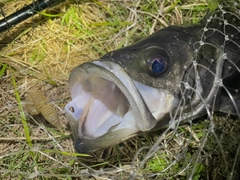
x: 38, y: 55
x: 207, y: 76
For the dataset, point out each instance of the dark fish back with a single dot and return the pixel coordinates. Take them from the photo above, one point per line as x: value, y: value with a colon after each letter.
x: 216, y: 65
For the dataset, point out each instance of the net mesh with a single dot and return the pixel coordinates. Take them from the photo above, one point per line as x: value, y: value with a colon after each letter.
x: 208, y: 86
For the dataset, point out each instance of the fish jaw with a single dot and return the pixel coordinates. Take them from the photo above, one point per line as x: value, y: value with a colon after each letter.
x: 108, y: 107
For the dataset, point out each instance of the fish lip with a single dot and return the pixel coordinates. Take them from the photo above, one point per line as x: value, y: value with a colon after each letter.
x: 142, y: 116
x: 87, y: 146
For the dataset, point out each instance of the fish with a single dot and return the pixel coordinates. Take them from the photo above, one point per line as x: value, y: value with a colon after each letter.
x: 173, y: 76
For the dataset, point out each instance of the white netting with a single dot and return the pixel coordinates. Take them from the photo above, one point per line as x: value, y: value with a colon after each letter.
x: 210, y: 83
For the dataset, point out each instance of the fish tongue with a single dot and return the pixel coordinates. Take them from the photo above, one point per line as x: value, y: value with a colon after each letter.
x: 99, y: 120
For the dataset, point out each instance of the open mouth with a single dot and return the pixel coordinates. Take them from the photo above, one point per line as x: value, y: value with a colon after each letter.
x: 104, y: 99
x: 98, y: 105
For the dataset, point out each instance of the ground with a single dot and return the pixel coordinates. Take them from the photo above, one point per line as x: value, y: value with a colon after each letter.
x: 38, y: 55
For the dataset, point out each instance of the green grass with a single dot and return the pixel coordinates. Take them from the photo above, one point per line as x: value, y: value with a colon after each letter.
x: 22, y: 114
x: 42, y: 57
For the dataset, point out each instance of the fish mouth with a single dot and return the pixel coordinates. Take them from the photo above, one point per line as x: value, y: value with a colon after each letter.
x: 106, y: 106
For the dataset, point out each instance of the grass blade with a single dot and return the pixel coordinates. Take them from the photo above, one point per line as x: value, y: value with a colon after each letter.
x: 22, y: 114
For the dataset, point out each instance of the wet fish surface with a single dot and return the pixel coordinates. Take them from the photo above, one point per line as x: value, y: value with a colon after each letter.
x: 171, y: 77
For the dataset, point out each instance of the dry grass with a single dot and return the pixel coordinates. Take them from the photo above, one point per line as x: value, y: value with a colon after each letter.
x: 40, y: 53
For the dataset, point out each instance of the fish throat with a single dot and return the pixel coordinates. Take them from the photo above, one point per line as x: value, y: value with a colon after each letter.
x: 103, y: 105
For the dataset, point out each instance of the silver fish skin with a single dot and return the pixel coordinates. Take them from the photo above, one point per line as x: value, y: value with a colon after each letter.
x: 172, y: 76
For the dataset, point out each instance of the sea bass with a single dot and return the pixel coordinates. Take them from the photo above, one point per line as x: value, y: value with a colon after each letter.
x: 173, y: 76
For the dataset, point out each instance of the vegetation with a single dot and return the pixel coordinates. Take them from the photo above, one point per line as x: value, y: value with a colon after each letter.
x: 40, y: 53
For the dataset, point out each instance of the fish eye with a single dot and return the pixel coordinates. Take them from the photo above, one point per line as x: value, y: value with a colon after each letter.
x: 157, y: 65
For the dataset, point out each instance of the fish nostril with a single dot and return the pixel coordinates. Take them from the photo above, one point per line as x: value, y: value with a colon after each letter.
x: 72, y: 109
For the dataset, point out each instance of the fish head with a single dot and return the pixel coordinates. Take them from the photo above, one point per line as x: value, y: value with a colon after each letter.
x: 128, y: 91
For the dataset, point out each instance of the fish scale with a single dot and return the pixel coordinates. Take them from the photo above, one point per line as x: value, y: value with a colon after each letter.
x: 195, y: 73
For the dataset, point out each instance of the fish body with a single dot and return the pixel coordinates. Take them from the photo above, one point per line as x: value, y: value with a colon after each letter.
x: 173, y: 76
